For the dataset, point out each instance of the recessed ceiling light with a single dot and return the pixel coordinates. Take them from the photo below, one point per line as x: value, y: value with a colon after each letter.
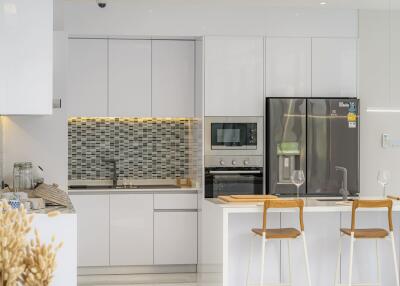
x: 323, y: 3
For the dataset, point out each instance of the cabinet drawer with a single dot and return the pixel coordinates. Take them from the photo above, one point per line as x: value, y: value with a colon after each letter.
x: 175, y: 201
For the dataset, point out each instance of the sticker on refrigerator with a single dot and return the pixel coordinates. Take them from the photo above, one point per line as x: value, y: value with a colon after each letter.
x: 351, y: 117
x: 352, y: 107
x: 352, y: 124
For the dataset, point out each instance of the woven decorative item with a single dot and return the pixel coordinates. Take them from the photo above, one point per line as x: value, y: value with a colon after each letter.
x: 52, y: 194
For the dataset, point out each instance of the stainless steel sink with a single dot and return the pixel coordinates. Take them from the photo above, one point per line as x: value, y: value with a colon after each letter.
x: 334, y: 200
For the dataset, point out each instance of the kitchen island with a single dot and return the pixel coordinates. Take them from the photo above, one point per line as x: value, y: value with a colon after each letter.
x: 224, y: 242
x: 62, y: 223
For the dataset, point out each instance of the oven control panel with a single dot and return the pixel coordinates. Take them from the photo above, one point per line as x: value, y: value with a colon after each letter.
x: 233, y: 161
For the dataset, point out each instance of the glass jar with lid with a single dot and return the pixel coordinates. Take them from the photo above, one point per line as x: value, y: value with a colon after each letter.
x: 23, y: 176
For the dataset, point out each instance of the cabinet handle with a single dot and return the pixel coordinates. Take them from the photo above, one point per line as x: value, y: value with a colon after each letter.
x: 175, y: 210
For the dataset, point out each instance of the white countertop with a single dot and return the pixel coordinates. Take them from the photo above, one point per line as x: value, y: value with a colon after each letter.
x: 311, y: 205
x: 136, y: 190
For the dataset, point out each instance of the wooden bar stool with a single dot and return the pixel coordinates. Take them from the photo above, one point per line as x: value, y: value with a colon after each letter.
x: 280, y: 234
x: 367, y: 233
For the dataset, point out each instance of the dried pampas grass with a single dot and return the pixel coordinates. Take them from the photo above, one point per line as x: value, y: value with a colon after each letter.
x: 29, y: 264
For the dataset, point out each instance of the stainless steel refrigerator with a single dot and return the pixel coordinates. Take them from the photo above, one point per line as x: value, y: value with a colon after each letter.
x: 317, y: 135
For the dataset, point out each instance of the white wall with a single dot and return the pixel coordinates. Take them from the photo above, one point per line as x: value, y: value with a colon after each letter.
x: 205, y: 17
x: 1, y: 149
x: 376, y: 68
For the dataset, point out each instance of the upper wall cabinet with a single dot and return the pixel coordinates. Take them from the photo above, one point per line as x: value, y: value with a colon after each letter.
x: 135, y: 78
x: 26, y: 57
x: 234, y: 76
x: 173, y: 78
x: 288, y: 67
x: 130, y: 78
x: 334, y: 67
x: 87, y: 77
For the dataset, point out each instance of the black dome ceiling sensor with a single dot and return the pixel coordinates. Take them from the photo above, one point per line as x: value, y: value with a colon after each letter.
x: 101, y: 3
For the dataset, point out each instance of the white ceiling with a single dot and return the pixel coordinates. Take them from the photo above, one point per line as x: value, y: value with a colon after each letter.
x: 330, y: 4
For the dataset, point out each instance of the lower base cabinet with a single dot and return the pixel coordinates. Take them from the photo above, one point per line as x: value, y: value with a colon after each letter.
x: 135, y: 229
x: 93, y: 229
x: 175, y: 237
x: 131, y: 229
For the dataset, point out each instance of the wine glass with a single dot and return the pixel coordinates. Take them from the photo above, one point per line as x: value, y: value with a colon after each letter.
x: 298, y: 179
x: 383, y: 180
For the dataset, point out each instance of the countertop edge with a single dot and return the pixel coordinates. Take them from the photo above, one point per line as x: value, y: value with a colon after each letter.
x: 145, y: 190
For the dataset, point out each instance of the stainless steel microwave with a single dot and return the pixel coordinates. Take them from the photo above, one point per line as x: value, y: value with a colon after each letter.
x: 239, y: 136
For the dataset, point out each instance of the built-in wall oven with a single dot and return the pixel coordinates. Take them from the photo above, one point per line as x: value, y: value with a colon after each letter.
x: 233, y: 156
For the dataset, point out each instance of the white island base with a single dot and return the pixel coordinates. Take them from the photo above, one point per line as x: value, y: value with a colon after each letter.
x: 224, y: 242
x: 64, y: 228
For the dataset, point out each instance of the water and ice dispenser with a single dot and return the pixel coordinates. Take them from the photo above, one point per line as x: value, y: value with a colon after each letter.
x: 288, y: 158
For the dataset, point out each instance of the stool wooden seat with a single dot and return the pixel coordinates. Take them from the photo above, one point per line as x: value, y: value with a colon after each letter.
x: 281, y: 234
x: 367, y: 233
x: 278, y: 233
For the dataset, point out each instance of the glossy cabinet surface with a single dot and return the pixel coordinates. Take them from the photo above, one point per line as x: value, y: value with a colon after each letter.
x: 26, y: 57
x: 175, y: 237
x: 129, y: 78
x: 93, y: 229
x: 131, y: 229
x: 173, y: 78
x: 288, y: 67
x: 87, y: 93
x: 334, y: 67
x: 175, y: 201
x: 234, y: 76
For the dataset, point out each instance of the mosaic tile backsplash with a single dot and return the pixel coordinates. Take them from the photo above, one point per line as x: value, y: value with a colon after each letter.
x: 145, y: 148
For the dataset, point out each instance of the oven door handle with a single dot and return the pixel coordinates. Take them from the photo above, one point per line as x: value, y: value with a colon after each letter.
x: 235, y: 172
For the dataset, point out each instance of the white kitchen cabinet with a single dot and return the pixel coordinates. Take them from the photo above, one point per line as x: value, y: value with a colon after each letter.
x: 131, y: 229
x: 87, y: 93
x: 234, y: 76
x: 175, y: 201
x: 288, y: 67
x: 173, y: 78
x: 175, y: 237
x: 93, y: 228
x: 129, y: 78
x: 334, y: 67
x: 26, y: 57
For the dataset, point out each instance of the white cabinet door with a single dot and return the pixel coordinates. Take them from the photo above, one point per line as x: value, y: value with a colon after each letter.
x: 26, y: 57
x: 87, y: 77
x: 234, y: 76
x: 288, y: 67
x: 93, y: 229
x: 130, y: 78
x: 173, y: 78
x: 175, y: 237
x: 131, y: 229
x: 334, y: 67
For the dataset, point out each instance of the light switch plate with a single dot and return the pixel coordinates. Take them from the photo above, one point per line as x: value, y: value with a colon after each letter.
x: 386, y: 141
